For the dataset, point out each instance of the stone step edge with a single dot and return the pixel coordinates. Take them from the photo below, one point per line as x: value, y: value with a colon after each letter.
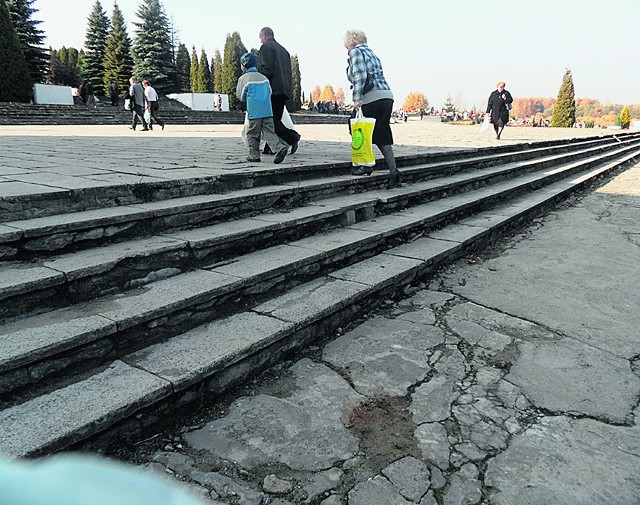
x: 51, y: 423
x: 127, y: 194
x: 10, y: 363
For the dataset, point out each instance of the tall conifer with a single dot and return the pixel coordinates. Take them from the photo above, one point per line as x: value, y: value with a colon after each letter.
x: 95, y: 45
x: 31, y: 38
x: 183, y: 68
x: 15, y: 84
x: 205, y: 82
x: 295, y: 103
x: 193, y: 73
x: 152, y: 48
x: 564, y: 111
x: 231, y: 71
x: 118, y: 64
x: 216, y: 69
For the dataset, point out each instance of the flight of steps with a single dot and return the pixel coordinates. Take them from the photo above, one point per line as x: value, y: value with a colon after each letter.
x: 171, y: 111
x: 116, y: 316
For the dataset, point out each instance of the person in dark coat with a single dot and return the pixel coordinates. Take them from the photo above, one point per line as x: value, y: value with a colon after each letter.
x: 499, y: 105
x: 114, y: 92
x: 274, y: 62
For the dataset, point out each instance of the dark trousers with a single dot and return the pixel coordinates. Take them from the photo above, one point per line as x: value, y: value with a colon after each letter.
x: 138, y: 113
x: 114, y: 100
x: 155, y: 107
x: 277, y: 104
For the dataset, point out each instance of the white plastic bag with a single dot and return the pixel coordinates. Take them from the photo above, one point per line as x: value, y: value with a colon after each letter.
x: 243, y: 133
x: 127, y: 104
x: 485, y: 124
x: 286, y: 120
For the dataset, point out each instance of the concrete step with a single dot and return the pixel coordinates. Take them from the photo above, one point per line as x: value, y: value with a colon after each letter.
x: 141, y: 386
x: 74, y: 277
x: 72, y: 339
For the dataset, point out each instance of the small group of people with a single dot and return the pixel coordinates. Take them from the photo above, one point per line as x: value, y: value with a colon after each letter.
x: 265, y: 85
x: 143, y: 97
x: 85, y: 91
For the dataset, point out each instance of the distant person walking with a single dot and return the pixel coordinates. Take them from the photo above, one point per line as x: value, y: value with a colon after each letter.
x: 373, y: 94
x: 82, y: 91
x: 152, y: 104
x: 253, y: 88
x: 136, y: 92
x: 114, y: 93
x: 274, y: 62
x: 91, y: 100
x: 500, y: 101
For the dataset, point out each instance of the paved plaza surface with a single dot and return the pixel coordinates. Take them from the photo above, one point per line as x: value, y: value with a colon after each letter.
x: 511, y: 377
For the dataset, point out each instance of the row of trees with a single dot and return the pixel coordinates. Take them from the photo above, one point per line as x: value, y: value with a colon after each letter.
x: 110, y: 55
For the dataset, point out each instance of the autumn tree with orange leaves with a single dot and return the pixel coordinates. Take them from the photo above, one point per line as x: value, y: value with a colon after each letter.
x: 415, y: 102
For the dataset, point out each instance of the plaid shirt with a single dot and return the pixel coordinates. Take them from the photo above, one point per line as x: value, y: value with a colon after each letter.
x: 362, y: 63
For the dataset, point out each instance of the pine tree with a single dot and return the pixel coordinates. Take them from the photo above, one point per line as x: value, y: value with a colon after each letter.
x: 15, y: 84
x: 183, y: 68
x: 231, y: 71
x: 205, y: 84
x: 449, y: 107
x: 564, y: 111
x: 295, y: 103
x: 625, y: 118
x: 193, y: 73
x: 31, y: 38
x: 152, y: 49
x: 216, y: 69
x: 118, y: 64
x: 95, y: 44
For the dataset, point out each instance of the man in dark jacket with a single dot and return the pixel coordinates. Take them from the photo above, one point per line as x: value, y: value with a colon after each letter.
x: 274, y: 62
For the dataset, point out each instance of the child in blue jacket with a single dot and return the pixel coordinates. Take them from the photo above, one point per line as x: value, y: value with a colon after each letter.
x: 254, y: 88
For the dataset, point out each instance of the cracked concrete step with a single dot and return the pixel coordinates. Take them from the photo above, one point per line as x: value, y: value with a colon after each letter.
x: 34, y: 201
x: 216, y: 355
x: 43, y: 345
x: 73, y: 231
x: 70, y: 278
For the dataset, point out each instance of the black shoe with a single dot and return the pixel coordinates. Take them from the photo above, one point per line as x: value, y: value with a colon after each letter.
x: 150, y: 127
x: 294, y: 146
x: 267, y: 150
x: 249, y: 158
x: 362, y: 171
x: 145, y: 129
x: 132, y: 128
x: 281, y: 154
x: 395, y: 180
x: 162, y: 126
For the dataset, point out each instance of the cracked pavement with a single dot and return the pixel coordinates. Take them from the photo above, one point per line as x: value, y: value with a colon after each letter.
x: 512, y: 377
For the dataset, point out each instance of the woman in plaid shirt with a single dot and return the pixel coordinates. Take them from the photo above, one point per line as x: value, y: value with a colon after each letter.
x: 373, y: 94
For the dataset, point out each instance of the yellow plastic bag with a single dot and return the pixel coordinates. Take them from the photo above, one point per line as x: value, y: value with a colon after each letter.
x: 361, y: 140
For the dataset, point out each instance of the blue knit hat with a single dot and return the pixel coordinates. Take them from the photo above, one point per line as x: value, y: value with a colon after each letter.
x: 248, y: 60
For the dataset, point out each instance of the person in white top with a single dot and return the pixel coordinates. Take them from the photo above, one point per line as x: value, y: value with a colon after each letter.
x: 152, y: 104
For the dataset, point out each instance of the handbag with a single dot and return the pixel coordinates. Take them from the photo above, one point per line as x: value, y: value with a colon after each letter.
x: 362, y: 140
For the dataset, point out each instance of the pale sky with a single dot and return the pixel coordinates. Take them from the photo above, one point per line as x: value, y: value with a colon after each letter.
x: 457, y: 48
